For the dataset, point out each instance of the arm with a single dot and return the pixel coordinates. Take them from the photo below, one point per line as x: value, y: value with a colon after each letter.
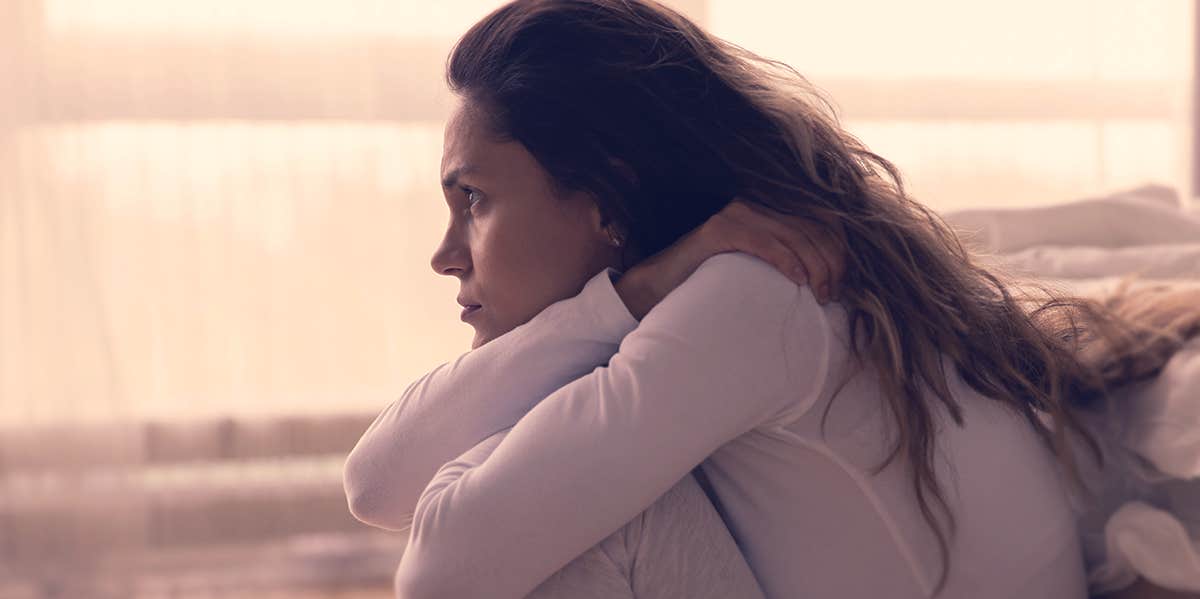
x: 463, y: 401
x: 737, y: 345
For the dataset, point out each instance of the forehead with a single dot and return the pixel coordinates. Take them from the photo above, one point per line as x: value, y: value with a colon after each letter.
x: 463, y: 141
x: 469, y: 149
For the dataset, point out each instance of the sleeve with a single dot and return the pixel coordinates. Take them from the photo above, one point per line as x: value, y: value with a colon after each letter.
x: 737, y: 345
x: 461, y: 402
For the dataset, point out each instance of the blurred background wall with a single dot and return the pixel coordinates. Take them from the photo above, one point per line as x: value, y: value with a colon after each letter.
x: 216, y: 220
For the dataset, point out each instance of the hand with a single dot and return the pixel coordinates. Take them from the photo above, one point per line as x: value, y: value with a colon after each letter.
x: 803, y: 250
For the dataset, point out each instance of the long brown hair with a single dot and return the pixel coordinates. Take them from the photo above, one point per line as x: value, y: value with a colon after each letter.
x: 1147, y: 322
x: 601, y: 90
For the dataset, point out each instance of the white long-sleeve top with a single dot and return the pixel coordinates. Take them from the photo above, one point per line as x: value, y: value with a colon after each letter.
x: 518, y: 456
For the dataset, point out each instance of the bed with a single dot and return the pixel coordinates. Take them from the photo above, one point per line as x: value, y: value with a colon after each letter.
x: 1143, y: 518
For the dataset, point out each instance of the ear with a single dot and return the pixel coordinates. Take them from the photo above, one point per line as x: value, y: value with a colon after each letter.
x: 630, y: 176
x: 597, y: 219
x: 599, y: 226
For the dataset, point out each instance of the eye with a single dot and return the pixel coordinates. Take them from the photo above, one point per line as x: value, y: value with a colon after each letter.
x: 469, y: 191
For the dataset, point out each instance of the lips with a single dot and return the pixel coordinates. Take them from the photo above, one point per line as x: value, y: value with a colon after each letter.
x: 468, y: 311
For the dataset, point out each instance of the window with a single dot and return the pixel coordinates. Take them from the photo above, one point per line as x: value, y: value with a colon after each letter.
x: 1002, y: 104
x: 238, y: 200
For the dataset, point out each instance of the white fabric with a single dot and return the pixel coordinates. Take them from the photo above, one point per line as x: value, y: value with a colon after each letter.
x: 733, y: 370
x: 677, y: 548
x: 1142, y: 539
x: 1143, y: 517
x: 1166, y: 261
x: 1164, y: 415
x: 1146, y: 215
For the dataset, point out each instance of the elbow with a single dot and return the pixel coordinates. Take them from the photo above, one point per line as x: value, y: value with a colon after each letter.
x: 362, y: 507
x: 359, y: 498
x: 444, y: 557
x: 370, y: 509
x: 430, y: 582
x: 406, y: 586
x: 433, y: 565
x: 371, y: 505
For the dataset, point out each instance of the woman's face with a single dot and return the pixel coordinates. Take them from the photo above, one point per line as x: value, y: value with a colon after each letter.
x: 514, y: 245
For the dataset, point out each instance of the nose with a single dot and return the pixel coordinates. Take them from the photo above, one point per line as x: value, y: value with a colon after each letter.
x: 449, y: 259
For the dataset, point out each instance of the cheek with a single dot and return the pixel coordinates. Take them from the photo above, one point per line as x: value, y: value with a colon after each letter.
x: 525, y: 260
x: 516, y: 253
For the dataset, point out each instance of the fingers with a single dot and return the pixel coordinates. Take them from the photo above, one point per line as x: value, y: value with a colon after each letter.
x: 836, y: 255
x: 762, y: 237
x: 830, y: 243
x: 785, y: 259
x: 813, y: 249
x: 814, y: 253
x: 840, y: 242
x: 770, y: 249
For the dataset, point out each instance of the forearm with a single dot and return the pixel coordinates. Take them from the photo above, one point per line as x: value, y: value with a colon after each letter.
x: 450, y: 409
x: 637, y: 296
x: 455, y: 406
x: 595, y: 447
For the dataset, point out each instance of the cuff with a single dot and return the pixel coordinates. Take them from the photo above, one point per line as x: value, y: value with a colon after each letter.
x: 612, y: 317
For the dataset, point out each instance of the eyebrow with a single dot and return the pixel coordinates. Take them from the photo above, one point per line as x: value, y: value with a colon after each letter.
x: 452, y: 177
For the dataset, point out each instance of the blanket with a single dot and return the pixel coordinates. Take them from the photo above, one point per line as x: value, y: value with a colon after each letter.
x: 1141, y: 513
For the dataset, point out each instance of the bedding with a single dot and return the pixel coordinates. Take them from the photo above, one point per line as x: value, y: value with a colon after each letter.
x: 1146, y: 215
x: 1141, y: 516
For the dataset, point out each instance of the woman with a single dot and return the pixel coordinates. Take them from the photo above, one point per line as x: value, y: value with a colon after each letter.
x: 890, y: 443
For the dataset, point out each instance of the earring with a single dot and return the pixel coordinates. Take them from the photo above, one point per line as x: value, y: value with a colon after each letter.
x: 614, y: 239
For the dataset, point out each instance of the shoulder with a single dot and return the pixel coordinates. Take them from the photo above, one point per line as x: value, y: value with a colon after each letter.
x: 740, y: 309
x: 747, y: 270
x: 754, y: 290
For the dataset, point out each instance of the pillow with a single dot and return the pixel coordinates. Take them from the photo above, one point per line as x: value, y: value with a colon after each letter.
x: 1150, y: 214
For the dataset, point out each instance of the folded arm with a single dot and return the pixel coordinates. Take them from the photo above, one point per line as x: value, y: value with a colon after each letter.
x: 461, y: 402
x: 735, y: 346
